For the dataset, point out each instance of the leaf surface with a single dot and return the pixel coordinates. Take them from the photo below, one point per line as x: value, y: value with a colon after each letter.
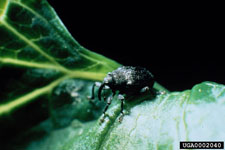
x: 150, y: 123
x: 38, y: 55
x: 33, y: 38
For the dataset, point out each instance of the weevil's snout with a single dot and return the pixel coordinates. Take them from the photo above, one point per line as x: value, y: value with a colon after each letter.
x: 107, y: 81
x: 100, y: 90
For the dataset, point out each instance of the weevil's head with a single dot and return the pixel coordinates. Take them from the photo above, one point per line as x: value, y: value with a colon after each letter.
x: 108, y: 80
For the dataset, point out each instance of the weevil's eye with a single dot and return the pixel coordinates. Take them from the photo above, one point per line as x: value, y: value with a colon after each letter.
x: 109, y: 74
x: 108, y: 79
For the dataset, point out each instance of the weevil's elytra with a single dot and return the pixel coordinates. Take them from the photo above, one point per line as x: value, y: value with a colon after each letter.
x: 127, y: 80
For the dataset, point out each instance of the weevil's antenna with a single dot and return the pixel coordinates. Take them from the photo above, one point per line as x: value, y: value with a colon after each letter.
x: 100, y: 90
x: 93, y: 91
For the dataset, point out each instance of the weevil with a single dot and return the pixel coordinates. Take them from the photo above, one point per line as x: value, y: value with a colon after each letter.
x: 126, y: 80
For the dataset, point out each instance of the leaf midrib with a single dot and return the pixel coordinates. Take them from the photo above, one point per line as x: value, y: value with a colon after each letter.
x: 12, y: 105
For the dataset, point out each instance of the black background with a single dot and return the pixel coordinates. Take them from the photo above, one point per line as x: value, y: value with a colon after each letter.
x: 181, y: 44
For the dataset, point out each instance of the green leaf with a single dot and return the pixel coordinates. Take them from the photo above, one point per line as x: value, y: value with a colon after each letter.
x: 159, y: 122
x: 33, y: 38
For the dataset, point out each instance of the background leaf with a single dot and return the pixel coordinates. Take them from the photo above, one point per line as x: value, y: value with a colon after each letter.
x: 32, y: 36
x: 37, y: 53
x: 155, y: 123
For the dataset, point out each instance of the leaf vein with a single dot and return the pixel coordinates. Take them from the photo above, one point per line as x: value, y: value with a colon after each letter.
x: 33, y: 45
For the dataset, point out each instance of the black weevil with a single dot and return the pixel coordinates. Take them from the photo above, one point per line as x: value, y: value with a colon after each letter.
x: 127, y: 80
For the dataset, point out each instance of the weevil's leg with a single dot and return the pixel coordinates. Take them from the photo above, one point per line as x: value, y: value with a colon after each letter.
x: 161, y: 92
x: 104, y: 97
x: 100, y: 90
x: 105, y: 88
x: 109, y: 100
x: 98, y: 84
x: 121, y: 97
x: 144, y: 89
x: 114, y: 93
x: 152, y: 91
